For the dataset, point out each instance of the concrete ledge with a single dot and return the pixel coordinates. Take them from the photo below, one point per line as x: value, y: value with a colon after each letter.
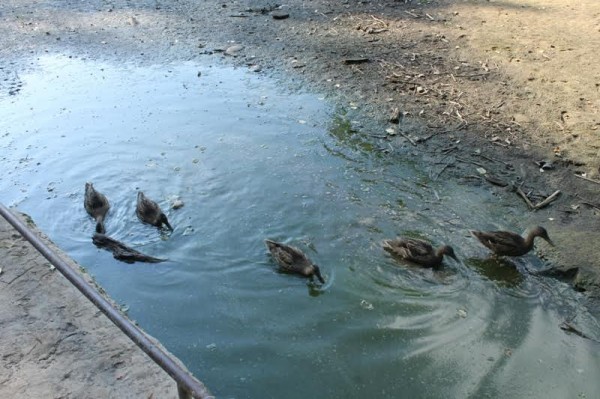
x: 57, y: 344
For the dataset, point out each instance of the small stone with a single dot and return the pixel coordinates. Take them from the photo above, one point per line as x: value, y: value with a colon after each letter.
x: 176, y: 204
x: 234, y: 50
x: 279, y: 14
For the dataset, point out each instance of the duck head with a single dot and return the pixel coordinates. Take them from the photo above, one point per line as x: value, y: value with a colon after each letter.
x: 541, y: 232
x: 317, y: 272
x: 449, y: 251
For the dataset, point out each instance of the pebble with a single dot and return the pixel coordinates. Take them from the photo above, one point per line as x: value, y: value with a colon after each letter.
x: 234, y: 50
x: 279, y: 14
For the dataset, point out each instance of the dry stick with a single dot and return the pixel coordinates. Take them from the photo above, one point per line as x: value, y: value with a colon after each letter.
x: 439, y: 173
x: 493, y: 159
x: 407, y: 138
x: 590, y: 204
x: 469, y: 161
x: 522, y: 194
x: 587, y: 179
x: 548, y: 200
x: 379, y: 20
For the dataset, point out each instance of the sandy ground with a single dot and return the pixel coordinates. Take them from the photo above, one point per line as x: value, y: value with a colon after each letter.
x: 57, y: 344
x: 492, y: 85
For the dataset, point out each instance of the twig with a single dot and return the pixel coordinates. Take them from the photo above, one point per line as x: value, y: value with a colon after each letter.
x: 469, y: 161
x: 587, y: 179
x: 439, y: 173
x: 472, y: 75
x: 407, y: 138
x: 548, y: 200
x: 379, y: 20
x: 493, y: 159
x: 430, y: 17
x: 412, y: 14
x: 522, y: 194
x: 568, y: 327
x: 590, y: 204
x: 494, y: 180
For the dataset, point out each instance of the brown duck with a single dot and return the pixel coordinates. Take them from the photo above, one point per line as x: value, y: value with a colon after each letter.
x: 418, y: 251
x: 292, y: 260
x: 149, y: 212
x: 96, y: 205
x: 506, y: 243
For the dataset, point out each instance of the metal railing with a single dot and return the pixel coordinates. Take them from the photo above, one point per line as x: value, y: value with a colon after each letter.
x: 187, y: 386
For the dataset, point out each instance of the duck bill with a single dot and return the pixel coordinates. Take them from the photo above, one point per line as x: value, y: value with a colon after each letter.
x: 549, y: 241
x: 454, y: 257
x: 319, y: 277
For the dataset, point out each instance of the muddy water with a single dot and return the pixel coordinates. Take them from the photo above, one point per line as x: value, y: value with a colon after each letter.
x: 250, y: 161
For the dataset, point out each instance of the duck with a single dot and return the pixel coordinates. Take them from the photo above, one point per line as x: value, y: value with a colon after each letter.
x: 149, y: 212
x: 507, y: 243
x: 292, y: 260
x: 96, y: 205
x: 418, y: 251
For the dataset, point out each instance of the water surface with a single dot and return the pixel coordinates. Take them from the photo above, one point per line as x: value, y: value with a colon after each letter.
x: 251, y: 160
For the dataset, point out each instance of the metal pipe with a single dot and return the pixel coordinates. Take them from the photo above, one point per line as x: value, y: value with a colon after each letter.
x: 185, y: 381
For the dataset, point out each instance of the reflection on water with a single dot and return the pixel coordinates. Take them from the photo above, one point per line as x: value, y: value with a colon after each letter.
x: 503, y: 271
x: 251, y: 161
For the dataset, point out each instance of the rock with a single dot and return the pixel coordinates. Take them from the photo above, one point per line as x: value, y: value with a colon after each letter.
x: 234, y: 50
x: 177, y: 203
x: 355, y: 60
x: 279, y: 14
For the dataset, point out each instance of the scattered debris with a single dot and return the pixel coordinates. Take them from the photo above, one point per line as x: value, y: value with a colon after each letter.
x: 539, y: 205
x: 545, y: 165
x: 395, y: 116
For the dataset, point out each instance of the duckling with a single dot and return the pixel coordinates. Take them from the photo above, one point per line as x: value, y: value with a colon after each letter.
x: 292, y: 260
x: 506, y: 243
x: 96, y: 205
x: 149, y: 212
x: 418, y: 251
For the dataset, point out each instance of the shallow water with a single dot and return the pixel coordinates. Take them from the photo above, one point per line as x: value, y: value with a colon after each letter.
x: 250, y: 161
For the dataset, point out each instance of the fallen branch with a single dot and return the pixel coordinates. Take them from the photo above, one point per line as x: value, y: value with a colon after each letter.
x: 548, y: 200
x: 495, y: 180
x: 469, y: 161
x: 568, y: 327
x: 407, y: 138
x: 587, y: 179
x: 524, y: 196
x: 591, y: 205
x: 439, y: 173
